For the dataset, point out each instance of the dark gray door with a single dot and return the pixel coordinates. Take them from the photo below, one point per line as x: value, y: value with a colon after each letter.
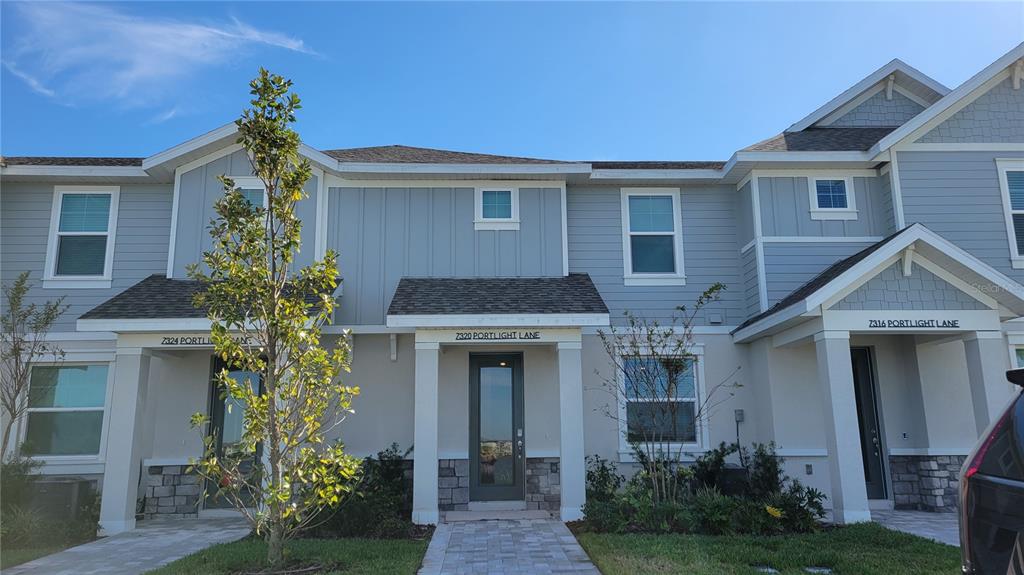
x: 871, y: 447
x: 496, y: 438
x: 227, y: 419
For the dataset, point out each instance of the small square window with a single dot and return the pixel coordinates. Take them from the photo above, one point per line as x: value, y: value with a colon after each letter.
x: 831, y: 194
x: 497, y: 204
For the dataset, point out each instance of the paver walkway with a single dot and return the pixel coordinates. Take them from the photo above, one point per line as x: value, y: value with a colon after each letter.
x: 154, y: 543
x: 505, y: 547
x: 941, y: 527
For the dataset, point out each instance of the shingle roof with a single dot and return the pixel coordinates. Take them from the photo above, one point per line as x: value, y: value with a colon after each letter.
x: 656, y: 165
x: 819, y: 281
x: 412, y: 155
x: 823, y: 140
x: 67, y: 161
x: 156, y: 297
x: 574, y: 293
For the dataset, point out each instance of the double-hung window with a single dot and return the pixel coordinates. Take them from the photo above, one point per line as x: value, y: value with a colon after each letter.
x: 832, y: 198
x: 80, y: 250
x: 1011, y: 182
x: 652, y: 237
x: 496, y: 209
x: 659, y: 402
x: 65, y: 410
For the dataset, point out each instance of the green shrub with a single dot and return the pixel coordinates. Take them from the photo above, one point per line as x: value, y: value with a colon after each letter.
x: 16, y: 477
x: 802, y: 507
x: 603, y: 479
x: 712, y: 512
x: 379, y: 508
x: 21, y: 525
x: 764, y: 471
x: 708, y: 469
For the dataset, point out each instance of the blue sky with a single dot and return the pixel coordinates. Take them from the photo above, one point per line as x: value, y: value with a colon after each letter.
x: 586, y: 81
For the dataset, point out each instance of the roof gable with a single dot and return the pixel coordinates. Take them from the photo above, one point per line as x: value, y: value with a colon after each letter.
x: 997, y: 115
x: 923, y: 289
x: 911, y: 82
x: 878, y: 110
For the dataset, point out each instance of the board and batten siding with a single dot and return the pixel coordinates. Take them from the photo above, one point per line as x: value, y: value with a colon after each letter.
x: 745, y: 215
x: 786, y: 209
x: 957, y: 195
x: 384, y: 234
x: 199, y: 189
x: 140, y: 242
x: 710, y: 250
x: 790, y: 265
x: 751, y: 289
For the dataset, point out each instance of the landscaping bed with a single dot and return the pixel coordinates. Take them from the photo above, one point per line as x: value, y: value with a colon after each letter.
x: 862, y: 549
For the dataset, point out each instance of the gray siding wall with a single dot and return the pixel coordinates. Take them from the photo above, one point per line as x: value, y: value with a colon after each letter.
x: 791, y: 265
x: 200, y: 189
x: 923, y: 290
x: 383, y: 234
x: 710, y: 249
x: 786, y: 209
x: 885, y: 198
x: 957, y: 195
x: 140, y: 242
x: 751, y: 293
x: 877, y: 111
x: 995, y: 116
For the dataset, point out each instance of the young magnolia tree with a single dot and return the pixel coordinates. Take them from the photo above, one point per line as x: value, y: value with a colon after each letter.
x: 23, y: 331
x: 652, y: 380
x: 266, y: 317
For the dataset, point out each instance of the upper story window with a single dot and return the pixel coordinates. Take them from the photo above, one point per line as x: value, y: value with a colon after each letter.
x: 497, y: 209
x: 65, y: 411
x: 252, y: 190
x: 832, y: 199
x: 652, y: 236
x: 80, y: 249
x: 1011, y: 182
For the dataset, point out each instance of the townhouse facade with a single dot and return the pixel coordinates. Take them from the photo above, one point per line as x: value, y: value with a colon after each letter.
x: 873, y: 254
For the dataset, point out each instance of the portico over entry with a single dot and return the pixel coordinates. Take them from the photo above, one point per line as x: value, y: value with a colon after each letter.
x: 498, y: 391
x: 900, y: 348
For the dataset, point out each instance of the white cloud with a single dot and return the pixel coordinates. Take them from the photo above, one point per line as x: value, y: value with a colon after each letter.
x: 85, y: 52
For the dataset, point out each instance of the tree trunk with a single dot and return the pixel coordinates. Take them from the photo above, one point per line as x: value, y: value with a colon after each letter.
x: 275, y: 541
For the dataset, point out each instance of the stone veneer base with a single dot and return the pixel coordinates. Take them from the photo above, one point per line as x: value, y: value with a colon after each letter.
x: 926, y: 482
x: 543, y: 484
x: 171, y: 491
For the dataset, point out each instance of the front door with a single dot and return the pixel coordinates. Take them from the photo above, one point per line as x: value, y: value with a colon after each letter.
x: 867, y: 416
x: 227, y: 418
x: 496, y: 440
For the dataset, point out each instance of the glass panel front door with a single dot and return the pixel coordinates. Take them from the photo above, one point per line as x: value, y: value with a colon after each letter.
x: 497, y: 443
x: 227, y: 421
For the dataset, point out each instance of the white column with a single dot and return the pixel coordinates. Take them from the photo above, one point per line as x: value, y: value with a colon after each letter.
x: 570, y: 403
x: 842, y: 431
x: 986, y: 375
x: 125, y: 440
x: 424, y: 477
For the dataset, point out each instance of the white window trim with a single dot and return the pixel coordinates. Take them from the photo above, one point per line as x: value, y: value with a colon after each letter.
x: 250, y: 183
x: 819, y: 213
x: 641, y: 279
x: 100, y: 456
x: 1004, y: 165
x: 50, y: 278
x: 626, y: 454
x: 482, y: 223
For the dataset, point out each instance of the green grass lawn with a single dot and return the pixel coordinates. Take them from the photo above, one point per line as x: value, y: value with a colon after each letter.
x: 12, y: 557
x: 864, y: 549
x: 348, y: 556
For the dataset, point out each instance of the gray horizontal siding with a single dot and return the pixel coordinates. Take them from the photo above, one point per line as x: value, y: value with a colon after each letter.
x: 384, y: 234
x: 957, y: 195
x: 199, y: 189
x: 786, y: 209
x: 995, y: 116
x: 751, y: 289
x: 791, y: 265
x: 140, y: 242
x: 877, y: 111
x: 922, y: 290
x: 710, y: 248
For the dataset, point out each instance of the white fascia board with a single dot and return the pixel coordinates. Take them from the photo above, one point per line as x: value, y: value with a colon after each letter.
x: 962, y: 91
x: 500, y: 320
x: 777, y: 319
x: 867, y: 83
x: 702, y: 174
x: 749, y: 160
x: 190, y: 145
x: 318, y: 157
x: 76, y: 171
x: 398, y: 168
x: 144, y: 325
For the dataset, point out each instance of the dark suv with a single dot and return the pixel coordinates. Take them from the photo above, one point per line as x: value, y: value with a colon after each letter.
x: 992, y: 495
